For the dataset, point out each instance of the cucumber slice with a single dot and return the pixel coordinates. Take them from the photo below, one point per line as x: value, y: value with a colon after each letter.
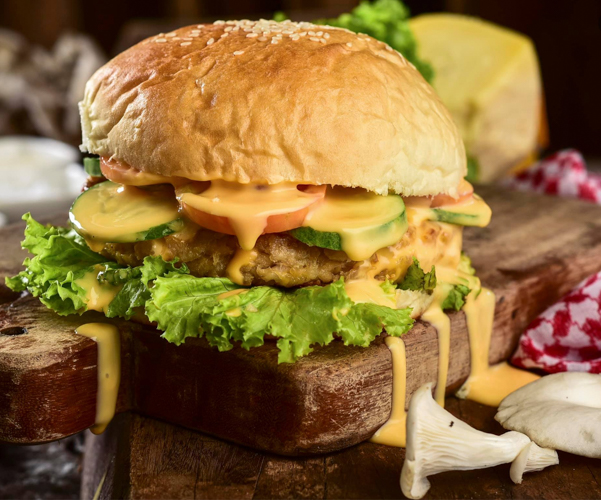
x: 355, y: 221
x: 313, y: 238
x: 477, y: 213
x: 92, y: 167
x: 389, y: 231
x: 110, y: 212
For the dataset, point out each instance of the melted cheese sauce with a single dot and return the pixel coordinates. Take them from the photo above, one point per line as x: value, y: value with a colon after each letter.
x: 487, y: 385
x: 98, y: 296
x: 365, y: 221
x: 248, y: 206
x: 241, y: 259
x: 368, y: 291
x: 439, y: 320
x: 109, y: 370
x: 393, y: 432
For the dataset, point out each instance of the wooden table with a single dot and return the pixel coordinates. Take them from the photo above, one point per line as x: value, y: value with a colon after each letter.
x: 186, y: 464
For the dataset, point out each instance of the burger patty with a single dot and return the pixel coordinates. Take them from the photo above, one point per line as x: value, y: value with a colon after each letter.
x: 277, y: 260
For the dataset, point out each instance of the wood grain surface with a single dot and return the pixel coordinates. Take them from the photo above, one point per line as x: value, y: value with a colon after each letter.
x: 535, y: 250
x: 144, y: 458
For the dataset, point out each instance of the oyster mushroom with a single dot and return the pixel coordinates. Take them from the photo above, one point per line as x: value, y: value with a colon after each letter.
x: 560, y: 411
x: 438, y: 442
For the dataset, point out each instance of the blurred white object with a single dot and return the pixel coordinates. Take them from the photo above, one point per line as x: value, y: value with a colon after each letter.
x: 38, y: 175
x: 40, y: 89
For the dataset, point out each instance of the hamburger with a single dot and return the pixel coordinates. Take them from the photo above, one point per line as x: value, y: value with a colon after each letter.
x: 262, y: 181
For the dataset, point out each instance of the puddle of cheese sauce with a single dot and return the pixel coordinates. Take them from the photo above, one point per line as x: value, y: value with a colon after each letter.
x: 109, y: 370
x: 487, y: 385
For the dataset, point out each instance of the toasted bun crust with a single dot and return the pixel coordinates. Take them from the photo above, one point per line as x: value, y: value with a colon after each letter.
x: 269, y: 102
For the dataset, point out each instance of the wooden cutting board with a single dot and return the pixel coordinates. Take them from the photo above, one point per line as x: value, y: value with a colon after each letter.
x: 534, y: 251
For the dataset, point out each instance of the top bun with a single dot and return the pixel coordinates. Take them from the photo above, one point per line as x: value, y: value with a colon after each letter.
x: 268, y: 102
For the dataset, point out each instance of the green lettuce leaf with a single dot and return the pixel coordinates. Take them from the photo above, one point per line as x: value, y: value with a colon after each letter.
x: 135, y: 291
x: 185, y: 306
x: 416, y: 279
x: 387, y: 21
x: 60, y: 257
x: 456, y: 298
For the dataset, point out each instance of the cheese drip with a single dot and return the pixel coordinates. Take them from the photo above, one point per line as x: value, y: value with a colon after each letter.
x: 98, y: 296
x: 109, y: 370
x: 393, y: 432
x: 487, y: 385
x: 248, y: 207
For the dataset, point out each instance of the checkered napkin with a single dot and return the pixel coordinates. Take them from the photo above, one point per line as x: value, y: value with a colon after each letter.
x: 567, y: 336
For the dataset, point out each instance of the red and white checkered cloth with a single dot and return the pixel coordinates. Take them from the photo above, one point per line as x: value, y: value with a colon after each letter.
x: 567, y: 336
x: 561, y: 174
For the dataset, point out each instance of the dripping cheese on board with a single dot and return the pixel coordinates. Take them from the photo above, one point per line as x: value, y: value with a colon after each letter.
x: 109, y: 370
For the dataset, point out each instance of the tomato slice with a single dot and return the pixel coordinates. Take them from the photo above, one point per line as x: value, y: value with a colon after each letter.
x: 121, y: 173
x: 465, y: 192
x: 275, y: 223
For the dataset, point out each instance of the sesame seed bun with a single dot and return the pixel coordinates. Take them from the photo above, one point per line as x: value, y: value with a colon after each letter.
x: 270, y: 102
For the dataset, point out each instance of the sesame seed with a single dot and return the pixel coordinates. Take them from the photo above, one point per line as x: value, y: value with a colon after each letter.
x: 238, y: 52
x: 170, y: 35
x: 160, y: 40
x: 262, y: 39
x: 228, y: 29
x: 274, y: 41
x: 323, y: 40
x: 188, y: 39
x: 295, y: 37
x: 200, y: 26
x: 224, y: 35
x: 319, y: 33
x: 237, y: 28
x: 287, y: 32
x: 247, y: 30
x: 326, y: 35
x: 252, y: 35
x: 210, y: 41
x: 314, y: 39
x: 349, y: 44
x: 176, y: 38
x: 312, y: 33
x: 302, y: 33
x: 266, y: 32
x: 183, y: 44
x: 219, y: 22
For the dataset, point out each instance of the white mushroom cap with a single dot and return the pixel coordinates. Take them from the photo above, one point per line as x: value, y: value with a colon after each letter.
x: 437, y: 442
x: 530, y: 459
x: 560, y: 411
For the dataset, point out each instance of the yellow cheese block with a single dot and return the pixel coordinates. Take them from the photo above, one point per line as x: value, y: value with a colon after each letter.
x: 489, y: 78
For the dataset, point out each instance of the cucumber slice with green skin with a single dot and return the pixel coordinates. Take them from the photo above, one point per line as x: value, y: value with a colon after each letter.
x: 92, y: 167
x: 391, y: 231
x: 114, y: 213
x: 355, y: 221
x: 477, y: 213
x: 313, y: 238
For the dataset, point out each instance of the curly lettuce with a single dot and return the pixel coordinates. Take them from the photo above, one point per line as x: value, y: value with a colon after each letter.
x: 185, y: 306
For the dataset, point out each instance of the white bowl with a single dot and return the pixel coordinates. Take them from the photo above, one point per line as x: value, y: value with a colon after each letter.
x: 37, y: 175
